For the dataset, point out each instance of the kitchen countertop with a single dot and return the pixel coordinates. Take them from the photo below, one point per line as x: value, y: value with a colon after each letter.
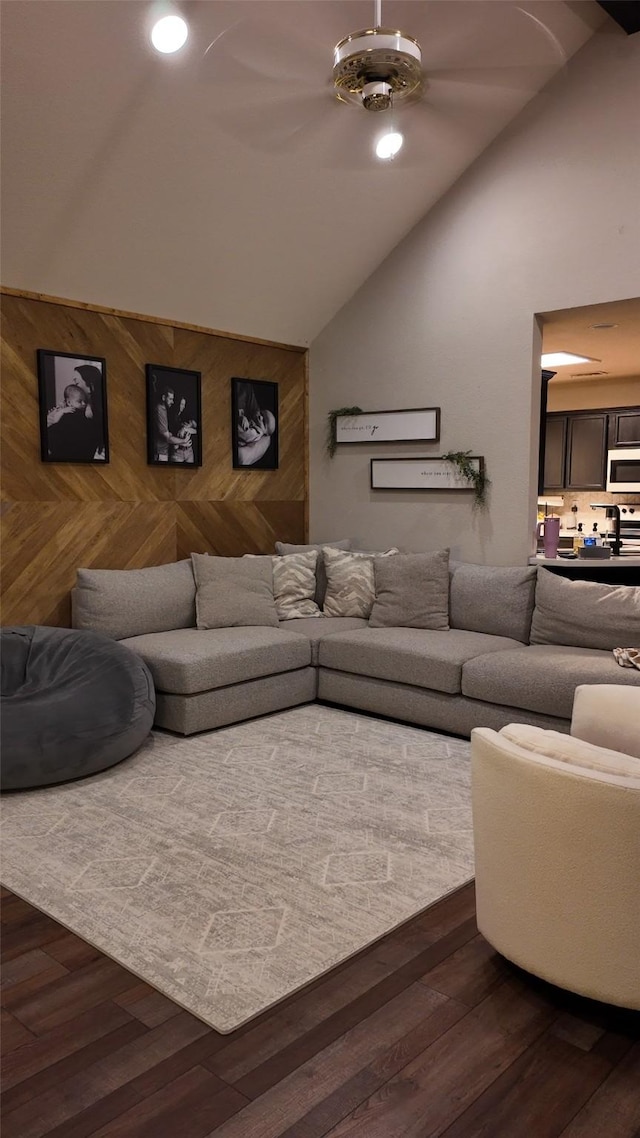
x: 626, y: 561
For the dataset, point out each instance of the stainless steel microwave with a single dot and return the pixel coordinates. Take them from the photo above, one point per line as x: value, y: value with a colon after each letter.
x: 623, y: 470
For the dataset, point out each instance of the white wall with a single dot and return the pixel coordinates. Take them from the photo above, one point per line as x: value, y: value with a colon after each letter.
x: 547, y: 218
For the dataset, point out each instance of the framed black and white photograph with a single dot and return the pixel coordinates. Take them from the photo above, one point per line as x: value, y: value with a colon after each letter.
x: 73, y: 407
x: 420, y: 474
x: 174, y: 416
x: 254, y: 424
x: 412, y: 424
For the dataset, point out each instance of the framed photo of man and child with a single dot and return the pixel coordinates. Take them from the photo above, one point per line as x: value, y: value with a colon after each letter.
x: 174, y: 416
x: 254, y: 424
x: 73, y: 407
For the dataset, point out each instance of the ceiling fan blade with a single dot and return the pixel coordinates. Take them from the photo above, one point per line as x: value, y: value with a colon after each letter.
x: 518, y: 78
x: 279, y: 124
x: 259, y: 48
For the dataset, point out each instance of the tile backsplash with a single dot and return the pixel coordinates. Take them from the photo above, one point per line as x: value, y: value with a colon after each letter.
x: 585, y: 514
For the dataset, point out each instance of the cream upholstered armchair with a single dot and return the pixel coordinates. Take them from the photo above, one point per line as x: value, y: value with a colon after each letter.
x: 557, y: 842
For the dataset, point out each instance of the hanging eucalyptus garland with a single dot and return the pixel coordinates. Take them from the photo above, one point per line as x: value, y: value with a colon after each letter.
x: 331, y: 426
x: 478, y: 478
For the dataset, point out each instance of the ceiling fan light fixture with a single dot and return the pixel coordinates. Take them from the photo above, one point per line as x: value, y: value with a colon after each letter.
x: 389, y: 144
x: 377, y: 66
x: 169, y: 34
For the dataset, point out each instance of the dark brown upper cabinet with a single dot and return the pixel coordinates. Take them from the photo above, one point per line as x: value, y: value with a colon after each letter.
x: 576, y: 444
x: 624, y: 428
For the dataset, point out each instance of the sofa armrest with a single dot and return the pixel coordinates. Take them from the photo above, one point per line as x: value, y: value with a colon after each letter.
x: 608, y: 715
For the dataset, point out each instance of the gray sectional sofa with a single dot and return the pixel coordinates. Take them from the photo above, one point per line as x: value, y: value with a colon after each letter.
x: 518, y: 644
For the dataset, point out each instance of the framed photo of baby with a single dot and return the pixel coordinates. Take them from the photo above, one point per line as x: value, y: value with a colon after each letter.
x: 254, y: 424
x: 72, y: 392
x: 174, y: 416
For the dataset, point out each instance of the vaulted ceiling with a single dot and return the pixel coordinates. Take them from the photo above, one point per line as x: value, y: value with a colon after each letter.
x: 226, y: 185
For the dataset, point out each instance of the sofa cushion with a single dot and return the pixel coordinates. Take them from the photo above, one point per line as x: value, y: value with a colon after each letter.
x: 131, y: 602
x: 409, y: 655
x: 191, y: 660
x: 233, y: 591
x: 283, y: 547
x: 294, y: 583
x: 494, y: 599
x: 316, y: 630
x: 412, y: 590
x: 350, y: 582
x: 555, y: 745
x: 585, y: 614
x: 541, y: 677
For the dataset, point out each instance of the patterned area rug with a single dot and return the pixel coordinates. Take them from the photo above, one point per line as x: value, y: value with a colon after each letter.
x: 230, y: 869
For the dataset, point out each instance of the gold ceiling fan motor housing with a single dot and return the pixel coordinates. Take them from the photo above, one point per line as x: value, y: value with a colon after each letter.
x: 376, y: 67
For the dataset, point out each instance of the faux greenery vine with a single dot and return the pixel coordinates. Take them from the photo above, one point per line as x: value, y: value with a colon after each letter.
x: 331, y: 426
x: 461, y: 459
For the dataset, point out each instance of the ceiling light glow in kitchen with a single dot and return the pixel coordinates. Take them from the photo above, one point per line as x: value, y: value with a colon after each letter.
x: 557, y: 359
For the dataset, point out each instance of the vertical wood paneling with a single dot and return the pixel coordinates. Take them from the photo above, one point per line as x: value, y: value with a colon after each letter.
x: 127, y: 514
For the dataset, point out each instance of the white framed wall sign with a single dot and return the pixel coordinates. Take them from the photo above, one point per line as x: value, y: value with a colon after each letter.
x: 420, y: 474
x: 414, y: 424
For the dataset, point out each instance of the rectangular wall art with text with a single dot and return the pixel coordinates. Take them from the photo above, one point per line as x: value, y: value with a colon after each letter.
x: 420, y: 474
x: 414, y: 424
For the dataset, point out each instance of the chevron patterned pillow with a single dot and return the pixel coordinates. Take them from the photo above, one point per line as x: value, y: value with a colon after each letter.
x: 294, y: 583
x: 350, y: 582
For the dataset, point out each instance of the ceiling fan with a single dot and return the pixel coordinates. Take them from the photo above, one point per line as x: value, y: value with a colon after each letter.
x: 277, y: 89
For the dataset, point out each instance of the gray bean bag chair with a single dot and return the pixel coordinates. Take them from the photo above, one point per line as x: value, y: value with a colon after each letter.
x: 72, y: 703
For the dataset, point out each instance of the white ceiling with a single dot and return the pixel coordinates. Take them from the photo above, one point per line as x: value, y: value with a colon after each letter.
x: 152, y: 183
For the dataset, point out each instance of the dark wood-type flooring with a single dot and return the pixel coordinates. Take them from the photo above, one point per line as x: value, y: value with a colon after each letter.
x: 427, y: 1032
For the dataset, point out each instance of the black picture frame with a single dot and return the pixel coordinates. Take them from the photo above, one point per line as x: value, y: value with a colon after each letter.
x: 72, y: 398
x: 174, y: 416
x: 254, y: 424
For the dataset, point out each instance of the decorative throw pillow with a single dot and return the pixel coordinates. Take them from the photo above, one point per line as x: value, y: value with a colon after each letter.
x: 232, y: 591
x: 350, y: 582
x: 282, y: 548
x: 584, y: 614
x: 412, y: 591
x: 294, y: 584
x: 132, y: 602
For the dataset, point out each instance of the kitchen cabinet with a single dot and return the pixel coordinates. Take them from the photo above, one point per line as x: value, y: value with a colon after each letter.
x: 576, y: 450
x: 576, y: 444
x: 624, y: 428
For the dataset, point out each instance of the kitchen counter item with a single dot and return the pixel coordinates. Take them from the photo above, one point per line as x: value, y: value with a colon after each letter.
x: 594, y: 552
x: 550, y: 529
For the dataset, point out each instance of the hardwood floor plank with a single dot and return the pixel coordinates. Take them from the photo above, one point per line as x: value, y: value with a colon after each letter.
x: 72, y: 951
x: 20, y: 937
x: 13, y: 1034
x: 537, y: 1095
x: 469, y: 974
x: 48, y: 1051
x: 370, y: 1079
x: 190, y: 1106
x: 62, y: 1102
x: 55, y: 1075
x: 292, y: 1099
x: 24, y: 967
x: 151, y: 1008
x: 13, y: 998
x: 75, y: 993
x: 429, y: 1093
x: 614, y: 1110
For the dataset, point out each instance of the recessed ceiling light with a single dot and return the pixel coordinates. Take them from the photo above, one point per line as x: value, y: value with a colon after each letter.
x: 604, y: 324
x: 557, y: 359
x: 169, y: 34
x: 389, y: 144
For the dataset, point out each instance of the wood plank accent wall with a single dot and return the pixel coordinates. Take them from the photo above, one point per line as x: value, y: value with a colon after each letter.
x: 57, y: 517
